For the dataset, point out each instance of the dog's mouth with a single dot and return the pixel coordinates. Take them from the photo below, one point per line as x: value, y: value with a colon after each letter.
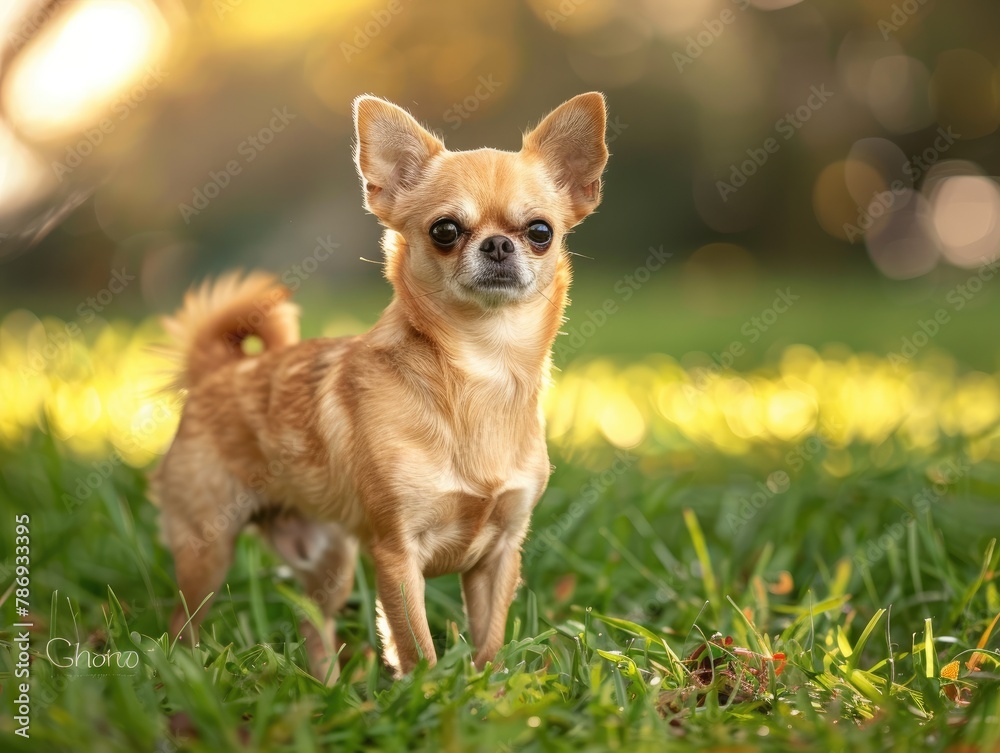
x: 496, y: 284
x: 499, y: 282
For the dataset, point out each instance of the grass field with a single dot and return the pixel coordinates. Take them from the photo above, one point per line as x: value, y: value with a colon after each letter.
x: 795, y: 591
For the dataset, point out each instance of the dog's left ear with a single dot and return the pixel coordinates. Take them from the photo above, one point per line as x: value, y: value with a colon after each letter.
x: 391, y: 150
x: 570, y: 140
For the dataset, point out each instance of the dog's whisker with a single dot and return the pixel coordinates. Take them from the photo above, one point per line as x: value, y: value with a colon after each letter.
x: 422, y: 295
x: 535, y: 282
x: 373, y: 261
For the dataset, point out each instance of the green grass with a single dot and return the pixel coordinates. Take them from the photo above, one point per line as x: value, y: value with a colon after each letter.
x: 617, y: 598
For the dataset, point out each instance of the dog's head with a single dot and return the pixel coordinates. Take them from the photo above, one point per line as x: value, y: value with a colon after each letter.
x: 482, y: 227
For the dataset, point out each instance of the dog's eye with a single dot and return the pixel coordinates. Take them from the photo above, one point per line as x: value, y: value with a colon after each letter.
x: 540, y: 234
x: 445, y: 233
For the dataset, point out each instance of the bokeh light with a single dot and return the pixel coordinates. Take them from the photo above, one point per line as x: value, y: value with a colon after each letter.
x: 966, y: 214
x: 22, y: 176
x: 573, y: 16
x: 677, y: 17
x: 902, y: 242
x: 74, y: 69
x: 898, y: 93
x: 881, y: 156
x: 102, y: 391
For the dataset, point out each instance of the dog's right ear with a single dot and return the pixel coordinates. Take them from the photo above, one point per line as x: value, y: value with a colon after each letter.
x: 570, y: 141
x: 391, y: 150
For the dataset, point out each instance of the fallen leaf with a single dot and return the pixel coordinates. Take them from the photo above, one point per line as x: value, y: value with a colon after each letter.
x: 784, y: 585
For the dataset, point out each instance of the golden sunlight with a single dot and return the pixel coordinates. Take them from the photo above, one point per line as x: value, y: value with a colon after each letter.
x: 75, y: 68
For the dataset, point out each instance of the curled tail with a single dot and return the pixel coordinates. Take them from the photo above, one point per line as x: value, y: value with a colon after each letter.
x: 209, y: 329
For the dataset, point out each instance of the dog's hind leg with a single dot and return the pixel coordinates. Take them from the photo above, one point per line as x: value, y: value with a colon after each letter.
x: 325, y: 557
x: 201, y: 533
x: 202, y: 556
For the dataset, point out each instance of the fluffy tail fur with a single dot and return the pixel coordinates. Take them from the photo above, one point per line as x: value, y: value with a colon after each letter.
x: 209, y: 329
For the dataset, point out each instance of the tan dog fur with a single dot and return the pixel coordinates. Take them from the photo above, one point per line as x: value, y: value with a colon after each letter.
x: 421, y: 440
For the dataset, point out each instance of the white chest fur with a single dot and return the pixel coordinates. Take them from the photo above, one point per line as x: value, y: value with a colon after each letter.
x: 454, y: 529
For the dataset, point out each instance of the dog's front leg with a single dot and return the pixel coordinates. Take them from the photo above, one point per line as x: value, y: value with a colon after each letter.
x: 489, y: 589
x: 402, y: 617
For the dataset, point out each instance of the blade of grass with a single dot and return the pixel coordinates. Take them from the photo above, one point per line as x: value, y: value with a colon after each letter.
x: 928, y: 648
x: 649, y: 635
x: 257, y: 609
x: 701, y: 551
x: 859, y: 646
x: 974, y: 587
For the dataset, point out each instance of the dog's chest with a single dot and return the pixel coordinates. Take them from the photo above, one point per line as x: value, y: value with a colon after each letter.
x: 454, y: 529
x: 463, y: 466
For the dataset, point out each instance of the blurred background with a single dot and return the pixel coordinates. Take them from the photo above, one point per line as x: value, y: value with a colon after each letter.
x: 798, y: 237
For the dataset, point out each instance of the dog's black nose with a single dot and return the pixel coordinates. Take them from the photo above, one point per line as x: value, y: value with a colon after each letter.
x: 497, y: 247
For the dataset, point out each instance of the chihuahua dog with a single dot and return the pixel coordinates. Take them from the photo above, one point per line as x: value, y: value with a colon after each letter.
x: 421, y: 440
